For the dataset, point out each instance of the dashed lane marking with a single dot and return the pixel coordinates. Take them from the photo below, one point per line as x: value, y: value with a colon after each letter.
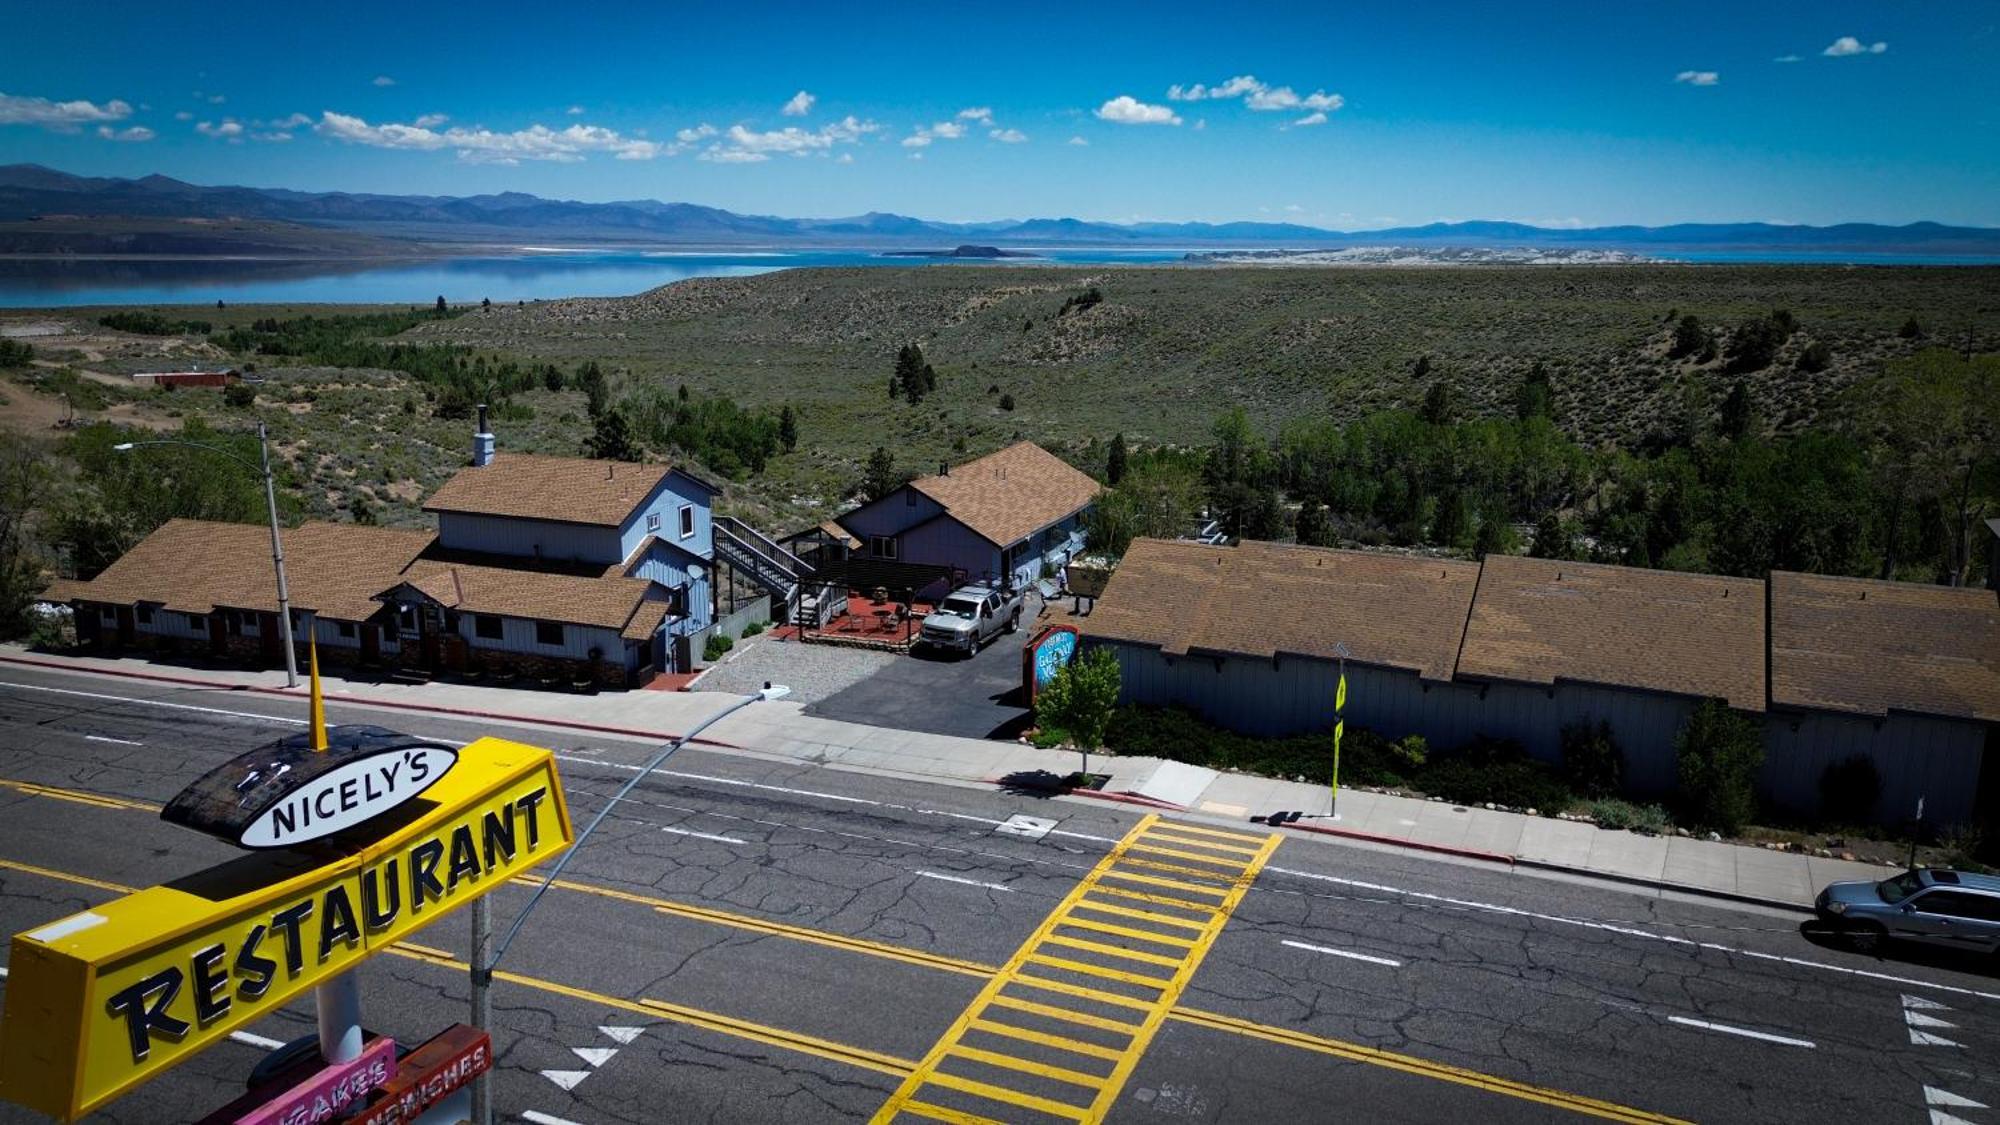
x: 704, y: 836
x: 539, y: 1118
x: 1742, y: 1031
x: 964, y: 882
x: 261, y: 1042
x: 1343, y: 953
x: 113, y: 741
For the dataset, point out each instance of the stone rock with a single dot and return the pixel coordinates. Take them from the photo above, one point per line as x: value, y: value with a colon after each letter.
x: 1715, y: 837
x: 1534, y: 812
x: 1848, y: 856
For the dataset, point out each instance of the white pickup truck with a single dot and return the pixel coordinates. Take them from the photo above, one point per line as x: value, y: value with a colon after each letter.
x: 970, y: 616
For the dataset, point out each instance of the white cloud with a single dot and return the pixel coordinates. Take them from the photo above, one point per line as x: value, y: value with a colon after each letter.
x: 574, y: 111
x: 916, y: 156
x: 1007, y: 136
x: 1259, y: 95
x: 943, y: 130
x: 1786, y: 59
x: 430, y: 121
x: 135, y: 133
x: 295, y: 120
x: 1284, y: 97
x: 183, y: 115
x: 1698, y: 77
x: 1234, y: 88
x: 59, y: 117
x: 744, y: 146
x: 1311, y: 119
x: 485, y: 146
x: 229, y: 130
x: 1848, y: 45
x: 1128, y: 110
x: 981, y: 114
x: 277, y: 137
x: 698, y: 133
x: 384, y: 80
x: 845, y: 158
x: 800, y: 105
x: 1079, y: 142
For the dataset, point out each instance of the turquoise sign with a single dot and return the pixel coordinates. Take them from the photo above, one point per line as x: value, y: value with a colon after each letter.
x: 1052, y: 654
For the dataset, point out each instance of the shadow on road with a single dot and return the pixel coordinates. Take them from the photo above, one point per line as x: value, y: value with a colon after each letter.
x: 1902, y: 952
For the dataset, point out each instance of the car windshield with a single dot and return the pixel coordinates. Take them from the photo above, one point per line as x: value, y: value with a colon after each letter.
x: 1899, y: 888
x: 959, y: 607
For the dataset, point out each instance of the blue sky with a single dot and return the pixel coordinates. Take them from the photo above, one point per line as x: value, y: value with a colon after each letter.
x: 1340, y: 115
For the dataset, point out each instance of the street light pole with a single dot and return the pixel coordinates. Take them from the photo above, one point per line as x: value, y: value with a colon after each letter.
x: 482, y: 934
x: 263, y: 467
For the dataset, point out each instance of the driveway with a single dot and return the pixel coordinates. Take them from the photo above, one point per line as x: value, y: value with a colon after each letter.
x: 942, y: 693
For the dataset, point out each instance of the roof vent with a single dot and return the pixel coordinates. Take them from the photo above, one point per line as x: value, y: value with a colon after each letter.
x: 610, y: 470
x: 944, y: 468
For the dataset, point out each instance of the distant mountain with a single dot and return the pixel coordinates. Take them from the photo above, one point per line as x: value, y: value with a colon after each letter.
x: 31, y: 193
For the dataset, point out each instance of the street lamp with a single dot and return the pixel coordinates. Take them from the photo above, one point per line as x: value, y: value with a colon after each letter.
x: 482, y: 933
x: 277, y: 545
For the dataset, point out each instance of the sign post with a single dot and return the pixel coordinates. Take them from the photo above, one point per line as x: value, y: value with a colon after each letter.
x: 1339, y: 727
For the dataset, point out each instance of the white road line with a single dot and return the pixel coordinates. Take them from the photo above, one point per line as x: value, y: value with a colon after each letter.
x: 153, y: 703
x: 704, y: 836
x: 3, y: 972
x: 1745, y: 1032
x: 540, y: 1118
x: 113, y: 741
x: 967, y: 882
x: 1630, y: 931
x: 261, y: 1042
x: 1344, y: 953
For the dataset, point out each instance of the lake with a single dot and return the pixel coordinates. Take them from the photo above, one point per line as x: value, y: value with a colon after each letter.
x: 526, y: 276
x: 544, y: 274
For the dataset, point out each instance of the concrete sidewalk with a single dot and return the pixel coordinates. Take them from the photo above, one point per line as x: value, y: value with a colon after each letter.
x: 781, y: 731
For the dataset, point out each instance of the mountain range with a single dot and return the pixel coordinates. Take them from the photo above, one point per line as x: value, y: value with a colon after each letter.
x: 71, y: 204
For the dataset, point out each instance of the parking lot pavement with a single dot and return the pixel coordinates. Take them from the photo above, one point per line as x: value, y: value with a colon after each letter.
x: 813, y: 672
x: 940, y: 693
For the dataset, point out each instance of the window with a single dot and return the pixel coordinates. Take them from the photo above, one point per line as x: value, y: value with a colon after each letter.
x: 882, y: 546
x: 486, y: 627
x: 344, y: 630
x: 652, y: 521
x: 687, y: 521
x: 1958, y: 904
x: 108, y: 615
x: 195, y: 622
x: 549, y: 633
x: 145, y: 615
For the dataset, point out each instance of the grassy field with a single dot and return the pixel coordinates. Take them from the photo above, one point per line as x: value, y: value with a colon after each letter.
x: 1158, y: 358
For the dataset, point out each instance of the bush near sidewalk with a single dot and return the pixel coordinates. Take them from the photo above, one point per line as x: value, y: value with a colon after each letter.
x: 1717, y: 755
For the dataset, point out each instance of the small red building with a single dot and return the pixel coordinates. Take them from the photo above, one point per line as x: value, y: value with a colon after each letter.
x: 218, y: 378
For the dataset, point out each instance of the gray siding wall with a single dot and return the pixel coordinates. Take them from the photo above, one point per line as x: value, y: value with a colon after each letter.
x: 517, y: 634
x: 502, y: 535
x: 671, y: 569
x: 947, y: 542
x: 168, y: 623
x: 891, y: 514
x: 1917, y: 756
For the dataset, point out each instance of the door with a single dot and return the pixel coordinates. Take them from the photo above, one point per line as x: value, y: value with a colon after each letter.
x: 218, y: 634
x: 126, y: 629
x: 1944, y: 918
x: 270, y: 642
x: 371, y: 643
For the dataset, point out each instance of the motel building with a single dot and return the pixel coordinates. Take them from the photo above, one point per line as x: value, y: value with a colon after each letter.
x: 557, y: 569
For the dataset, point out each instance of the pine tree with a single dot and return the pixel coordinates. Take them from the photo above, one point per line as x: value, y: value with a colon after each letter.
x: 1313, y: 529
x: 1437, y: 404
x: 1114, y: 462
x: 880, y: 479
x: 442, y: 308
x: 788, y: 428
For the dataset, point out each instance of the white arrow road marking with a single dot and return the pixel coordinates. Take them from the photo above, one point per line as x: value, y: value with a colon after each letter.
x: 1940, y: 1117
x: 595, y: 1056
x: 1935, y: 1096
x: 1919, y: 1002
x: 966, y: 882
x: 1745, y: 1032
x: 1926, y: 1039
x: 704, y: 836
x: 567, y: 1079
x: 1344, y: 953
x: 623, y: 1034
x: 1918, y: 1019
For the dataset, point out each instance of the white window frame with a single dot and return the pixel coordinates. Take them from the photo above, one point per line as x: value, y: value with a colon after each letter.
x: 687, y: 521
x: 653, y: 522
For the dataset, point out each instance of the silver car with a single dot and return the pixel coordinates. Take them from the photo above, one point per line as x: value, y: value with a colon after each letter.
x: 1950, y: 909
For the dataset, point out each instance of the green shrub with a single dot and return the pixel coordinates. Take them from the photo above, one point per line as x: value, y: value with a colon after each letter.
x: 1082, y: 698
x: 716, y: 647
x: 1613, y: 813
x: 1177, y: 735
x: 1520, y: 783
x: 754, y: 628
x: 1848, y: 790
x: 1717, y: 755
x: 239, y: 395
x: 1592, y: 763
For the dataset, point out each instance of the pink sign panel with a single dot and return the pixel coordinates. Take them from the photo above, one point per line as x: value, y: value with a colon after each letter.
x: 331, y: 1092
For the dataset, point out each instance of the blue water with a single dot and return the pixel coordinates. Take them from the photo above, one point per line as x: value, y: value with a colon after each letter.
x: 33, y: 283
x: 544, y: 275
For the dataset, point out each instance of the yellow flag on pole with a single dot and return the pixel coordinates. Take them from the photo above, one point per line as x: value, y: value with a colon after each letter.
x: 318, y: 700
x: 1340, y: 695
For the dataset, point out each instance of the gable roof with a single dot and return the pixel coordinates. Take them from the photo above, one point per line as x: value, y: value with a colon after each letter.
x: 1537, y: 621
x: 193, y: 566
x: 559, y: 489
x: 1263, y: 599
x: 1011, y: 494
x: 1865, y: 647
x: 611, y: 602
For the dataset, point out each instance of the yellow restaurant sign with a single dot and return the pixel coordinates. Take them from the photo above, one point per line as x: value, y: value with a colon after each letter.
x: 103, y: 1000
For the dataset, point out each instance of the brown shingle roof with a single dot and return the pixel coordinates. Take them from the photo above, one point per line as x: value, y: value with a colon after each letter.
x: 1861, y: 646
x: 1009, y: 495
x: 192, y: 566
x: 1540, y: 620
x: 1258, y: 599
x: 563, y: 489
x: 604, y: 603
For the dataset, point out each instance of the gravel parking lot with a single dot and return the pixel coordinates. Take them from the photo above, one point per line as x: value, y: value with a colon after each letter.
x: 813, y: 672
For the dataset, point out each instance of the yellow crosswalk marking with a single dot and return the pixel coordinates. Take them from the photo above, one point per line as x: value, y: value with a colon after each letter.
x: 1197, y: 830
x: 1182, y: 842
x: 1174, y: 952
x: 949, y: 1116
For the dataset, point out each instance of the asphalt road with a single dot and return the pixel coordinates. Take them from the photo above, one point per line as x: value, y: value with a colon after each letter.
x: 939, y: 692
x: 784, y: 944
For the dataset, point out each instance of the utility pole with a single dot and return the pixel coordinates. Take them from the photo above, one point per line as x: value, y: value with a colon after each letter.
x: 278, y: 560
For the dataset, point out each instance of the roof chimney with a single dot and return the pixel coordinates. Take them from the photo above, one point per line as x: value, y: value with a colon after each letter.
x: 944, y: 468
x: 482, y: 441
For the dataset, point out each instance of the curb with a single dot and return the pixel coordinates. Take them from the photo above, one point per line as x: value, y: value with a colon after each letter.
x: 1418, y: 845
x: 1100, y: 795
x: 364, y: 701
